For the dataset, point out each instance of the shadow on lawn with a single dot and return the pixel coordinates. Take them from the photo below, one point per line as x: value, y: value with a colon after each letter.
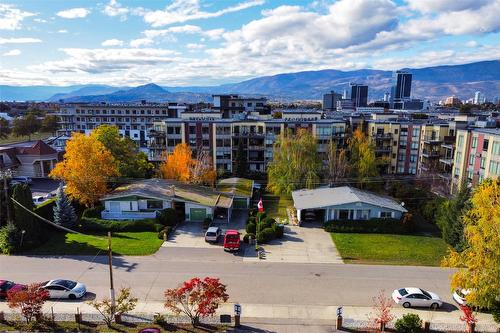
x: 57, y: 247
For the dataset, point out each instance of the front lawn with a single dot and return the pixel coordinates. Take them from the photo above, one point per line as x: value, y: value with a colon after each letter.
x: 123, y: 243
x: 390, y: 249
x: 275, y: 206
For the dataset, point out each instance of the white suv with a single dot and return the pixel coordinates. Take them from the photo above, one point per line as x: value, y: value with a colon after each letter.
x: 212, y: 234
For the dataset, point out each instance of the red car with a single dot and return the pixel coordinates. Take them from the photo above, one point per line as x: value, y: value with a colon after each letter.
x: 232, y: 240
x: 6, y: 286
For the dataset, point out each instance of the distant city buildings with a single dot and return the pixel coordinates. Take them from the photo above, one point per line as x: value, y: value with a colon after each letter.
x: 359, y: 94
x: 330, y: 100
x: 401, y: 89
x: 452, y: 101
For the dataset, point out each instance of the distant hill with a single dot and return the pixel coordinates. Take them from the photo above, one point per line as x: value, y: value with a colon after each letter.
x: 433, y: 83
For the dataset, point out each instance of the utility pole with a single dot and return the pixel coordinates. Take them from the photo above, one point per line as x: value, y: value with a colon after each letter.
x: 110, y: 262
x: 4, y: 175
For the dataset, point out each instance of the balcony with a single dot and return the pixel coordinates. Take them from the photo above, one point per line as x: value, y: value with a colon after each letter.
x: 382, y: 136
x: 256, y: 147
x: 430, y: 153
x: 432, y: 140
x: 107, y: 215
x: 447, y: 161
x: 156, y: 133
x: 382, y: 149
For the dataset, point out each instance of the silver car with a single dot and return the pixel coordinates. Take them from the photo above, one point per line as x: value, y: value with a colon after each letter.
x: 212, y: 235
x: 416, y: 297
x: 65, y: 289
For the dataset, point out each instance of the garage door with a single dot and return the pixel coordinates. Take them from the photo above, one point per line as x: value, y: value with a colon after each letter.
x: 240, y: 203
x: 197, y: 214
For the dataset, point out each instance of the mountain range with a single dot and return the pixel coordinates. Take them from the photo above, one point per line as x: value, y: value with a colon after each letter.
x: 430, y: 83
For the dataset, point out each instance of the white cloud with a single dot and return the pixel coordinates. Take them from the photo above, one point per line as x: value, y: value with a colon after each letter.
x: 11, y: 17
x: 11, y: 53
x: 112, y: 42
x: 20, y: 40
x: 141, y: 42
x: 186, y: 10
x: 73, y: 13
x: 62, y: 31
x: 113, y: 8
x: 427, y: 6
x: 195, y: 46
x: 472, y: 43
x: 96, y: 61
x: 39, y: 20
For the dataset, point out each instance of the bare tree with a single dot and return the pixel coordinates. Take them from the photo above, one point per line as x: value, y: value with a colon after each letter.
x: 337, y: 164
x: 202, y: 171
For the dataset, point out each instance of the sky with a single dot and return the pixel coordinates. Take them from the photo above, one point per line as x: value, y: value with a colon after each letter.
x: 201, y: 42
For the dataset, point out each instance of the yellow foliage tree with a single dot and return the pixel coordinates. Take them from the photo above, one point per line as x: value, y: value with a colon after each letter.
x: 177, y: 165
x: 479, y: 263
x: 86, y: 167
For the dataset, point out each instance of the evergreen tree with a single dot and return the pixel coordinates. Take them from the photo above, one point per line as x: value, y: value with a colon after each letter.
x: 241, y: 160
x: 23, y: 219
x: 64, y: 213
x: 449, y: 218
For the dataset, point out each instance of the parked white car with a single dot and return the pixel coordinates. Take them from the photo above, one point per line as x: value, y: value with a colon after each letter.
x: 459, y: 296
x: 416, y: 297
x: 65, y: 289
x: 212, y: 234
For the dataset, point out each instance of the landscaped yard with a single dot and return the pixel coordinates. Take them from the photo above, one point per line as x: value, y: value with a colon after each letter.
x: 275, y: 206
x: 36, y: 136
x: 390, y: 249
x: 123, y: 243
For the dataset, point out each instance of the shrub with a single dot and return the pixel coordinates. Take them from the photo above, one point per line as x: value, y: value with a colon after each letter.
x: 159, y: 319
x: 206, y: 222
x: 495, y: 311
x: 158, y: 227
x: 267, y: 222
x: 98, y: 225
x: 279, y: 230
x: 164, y: 232
x: 247, y: 237
x: 94, y: 212
x: 409, y: 323
x: 251, y: 219
x: 378, y: 225
x: 9, y: 238
x: 168, y: 217
x: 267, y: 235
x: 251, y: 228
x: 260, y: 216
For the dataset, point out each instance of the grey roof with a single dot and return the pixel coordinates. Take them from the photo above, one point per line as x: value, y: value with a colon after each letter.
x: 334, y: 196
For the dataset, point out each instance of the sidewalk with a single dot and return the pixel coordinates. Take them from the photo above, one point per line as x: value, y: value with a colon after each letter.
x: 276, y: 314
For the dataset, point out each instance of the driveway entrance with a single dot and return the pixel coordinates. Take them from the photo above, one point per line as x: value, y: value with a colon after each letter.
x: 306, y: 244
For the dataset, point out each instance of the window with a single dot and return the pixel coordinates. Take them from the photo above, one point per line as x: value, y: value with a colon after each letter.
x: 459, y: 157
x: 471, y: 159
x: 460, y: 141
x: 494, y: 168
x: 396, y: 131
x: 413, y: 158
x: 154, y: 204
x: 343, y: 214
x: 414, y: 145
x: 485, y: 145
x: 483, y: 162
x: 474, y: 142
x: 496, y: 148
x: 385, y: 215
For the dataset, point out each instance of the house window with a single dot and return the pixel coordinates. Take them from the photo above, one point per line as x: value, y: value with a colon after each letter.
x: 385, y: 215
x: 474, y: 142
x: 343, y: 214
x: 155, y: 204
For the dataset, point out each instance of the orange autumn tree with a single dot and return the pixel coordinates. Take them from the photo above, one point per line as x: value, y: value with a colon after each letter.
x: 85, y: 169
x: 177, y: 165
x: 180, y: 165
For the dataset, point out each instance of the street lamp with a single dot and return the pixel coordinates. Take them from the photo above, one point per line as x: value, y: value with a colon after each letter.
x: 22, y: 237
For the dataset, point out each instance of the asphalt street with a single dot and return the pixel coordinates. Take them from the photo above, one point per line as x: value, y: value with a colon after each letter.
x: 248, y: 282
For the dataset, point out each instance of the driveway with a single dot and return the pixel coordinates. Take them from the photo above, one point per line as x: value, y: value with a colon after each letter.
x: 192, y: 234
x: 306, y: 244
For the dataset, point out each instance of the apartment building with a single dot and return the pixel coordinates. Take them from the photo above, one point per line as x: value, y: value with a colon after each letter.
x: 234, y: 105
x: 477, y: 156
x: 252, y: 136
x: 132, y: 120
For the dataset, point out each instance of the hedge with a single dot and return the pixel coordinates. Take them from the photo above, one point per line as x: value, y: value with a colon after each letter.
x: 95, y: 224
x: 94, y: 212
x: 378, y: 225
x: 46, y: 209
x: 168, y: 217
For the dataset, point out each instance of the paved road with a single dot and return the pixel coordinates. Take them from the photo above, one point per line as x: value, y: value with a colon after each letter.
x: 248, y: 282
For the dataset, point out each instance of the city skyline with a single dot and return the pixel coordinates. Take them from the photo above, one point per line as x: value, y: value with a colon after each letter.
x: 200, y: 43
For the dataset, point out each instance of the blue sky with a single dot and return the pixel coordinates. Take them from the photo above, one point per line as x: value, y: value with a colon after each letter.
x: 201, y: 42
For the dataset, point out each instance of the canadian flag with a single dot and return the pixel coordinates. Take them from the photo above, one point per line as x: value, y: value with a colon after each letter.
x: 260, y: 206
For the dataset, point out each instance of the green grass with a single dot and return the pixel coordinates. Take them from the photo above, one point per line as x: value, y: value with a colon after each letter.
x: 275, y: 206
x: 123, y: 243
x: 390, y: 249
x: 36, y: 136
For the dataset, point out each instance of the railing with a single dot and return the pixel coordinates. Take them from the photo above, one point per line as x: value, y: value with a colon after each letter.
x: 383, y: 136
x: 107, y: 215
x: 448, y: 161
x: 430, y: 153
